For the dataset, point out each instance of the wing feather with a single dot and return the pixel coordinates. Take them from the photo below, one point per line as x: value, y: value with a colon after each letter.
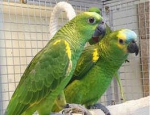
x: 42, y: 76
x: 85, y: 63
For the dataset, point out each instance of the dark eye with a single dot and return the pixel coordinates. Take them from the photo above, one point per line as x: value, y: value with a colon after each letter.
x: 121, y: 41
x: 91, y: 20
x: 102, y: 22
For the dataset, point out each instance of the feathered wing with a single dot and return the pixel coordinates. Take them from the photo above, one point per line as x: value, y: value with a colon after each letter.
x: 41, y: 77
x: 88, y: 58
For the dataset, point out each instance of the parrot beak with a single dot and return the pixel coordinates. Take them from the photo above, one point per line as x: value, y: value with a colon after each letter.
x: 133, y: 48
x: 99, y: 31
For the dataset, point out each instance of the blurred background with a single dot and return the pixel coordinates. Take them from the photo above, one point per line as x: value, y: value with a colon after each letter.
x: 24, y: 30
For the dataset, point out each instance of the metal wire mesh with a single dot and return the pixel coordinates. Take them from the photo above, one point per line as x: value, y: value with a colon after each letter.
x: 134, y: 15
x: 24, y: 30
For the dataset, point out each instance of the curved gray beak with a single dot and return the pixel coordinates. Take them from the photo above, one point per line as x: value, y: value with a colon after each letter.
x: 100, y: 30
x: 133, y: 48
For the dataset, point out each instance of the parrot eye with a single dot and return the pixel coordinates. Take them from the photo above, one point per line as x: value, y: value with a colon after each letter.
x: 121, y: 41
x: 91, y: 20
x: 102, y: 22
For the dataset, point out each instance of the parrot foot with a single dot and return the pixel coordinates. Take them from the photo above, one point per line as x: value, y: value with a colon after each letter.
x: 100, y: 106
x: 127, y: 61
x: 75, y: 108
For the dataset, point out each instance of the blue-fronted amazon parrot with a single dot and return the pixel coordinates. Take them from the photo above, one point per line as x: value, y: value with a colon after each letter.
x: 51, y: 69
x: 97, y: 65
x: 108, y: 30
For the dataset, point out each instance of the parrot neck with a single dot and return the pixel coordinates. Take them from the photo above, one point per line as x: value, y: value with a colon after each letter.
x: 76, y: 40
x: 113, y: 58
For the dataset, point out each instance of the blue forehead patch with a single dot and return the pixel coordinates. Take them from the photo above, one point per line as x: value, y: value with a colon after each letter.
x: 130, y: 35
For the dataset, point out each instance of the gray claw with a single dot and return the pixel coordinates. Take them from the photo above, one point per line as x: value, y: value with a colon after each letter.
x: 100, y: 106
x: 75, y: 108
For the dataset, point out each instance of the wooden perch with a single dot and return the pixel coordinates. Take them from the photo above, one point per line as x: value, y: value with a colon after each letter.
x: 133, y: 107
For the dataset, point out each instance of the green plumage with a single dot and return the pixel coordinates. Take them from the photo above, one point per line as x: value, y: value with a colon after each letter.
x: 107, y: 28
x: 89, y: 86
x: 52, y: 68
x: 97, y: 65
x: 108, y: 31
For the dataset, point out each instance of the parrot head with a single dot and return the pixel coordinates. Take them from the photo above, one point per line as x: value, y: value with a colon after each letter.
x: 128, y: 38
x: 89, y: 24
x: 95, y: 9
x: 104, y: 29
x: 123, y: 42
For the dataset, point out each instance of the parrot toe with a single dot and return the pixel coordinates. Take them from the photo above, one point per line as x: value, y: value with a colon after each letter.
x: 127, y: 61
x: 75, y: 108
x: 100, y: 106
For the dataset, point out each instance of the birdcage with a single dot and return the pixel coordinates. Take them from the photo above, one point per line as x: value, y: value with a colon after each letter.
x: 24, y: 30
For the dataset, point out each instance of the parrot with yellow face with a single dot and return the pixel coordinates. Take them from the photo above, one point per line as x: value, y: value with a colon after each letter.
x: 52, y: 68
x: 96, y: 68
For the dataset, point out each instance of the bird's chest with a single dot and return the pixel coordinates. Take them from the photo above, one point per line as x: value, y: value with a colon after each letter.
x: 97, y: 83
x: 99, y: 86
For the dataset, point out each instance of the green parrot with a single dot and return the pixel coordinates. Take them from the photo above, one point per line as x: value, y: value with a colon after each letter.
x: 61, y: 97
x: 108, y: 30
x: 96, y: 67
x: 51, y: 69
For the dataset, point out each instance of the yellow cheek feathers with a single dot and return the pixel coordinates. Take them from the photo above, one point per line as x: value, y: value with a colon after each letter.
x: 95, y: 55
x: 122, y: 36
